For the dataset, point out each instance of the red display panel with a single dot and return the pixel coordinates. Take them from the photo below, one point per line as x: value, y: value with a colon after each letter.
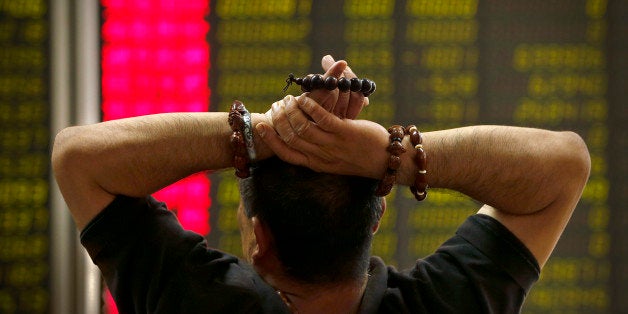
x: 155, y: 59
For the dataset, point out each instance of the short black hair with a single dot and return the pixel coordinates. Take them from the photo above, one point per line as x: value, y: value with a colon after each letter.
x: 321, y: 223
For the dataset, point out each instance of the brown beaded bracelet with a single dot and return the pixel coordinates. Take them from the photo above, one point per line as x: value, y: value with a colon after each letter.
x: 237, y: 123
x: 394, y: 161
x: 419, y: 190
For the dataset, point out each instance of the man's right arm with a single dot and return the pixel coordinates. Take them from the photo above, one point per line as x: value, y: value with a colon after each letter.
x: 140, y: 155
x: 137, y: 156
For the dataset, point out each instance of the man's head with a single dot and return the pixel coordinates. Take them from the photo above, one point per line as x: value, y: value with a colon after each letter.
x: 321, y: 225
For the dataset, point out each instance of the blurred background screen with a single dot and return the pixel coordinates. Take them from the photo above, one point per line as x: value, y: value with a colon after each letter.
x: 24, y: 157
x: 559, y: 65
x: 555, y: 64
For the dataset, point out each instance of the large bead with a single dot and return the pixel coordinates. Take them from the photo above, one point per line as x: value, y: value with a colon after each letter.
x: 237, y: 123
x: 396, y: 131
x: 306, y: 85
x: 237, y: 144
x: 394, y: 162
x: 421, y: 159
x: 420, y: 182
x: 372, y: 90
x: 418, y: 195
x: 343, y: 84
x: 317, y: 81
x: 383, y: 190
x: 231, y: 117
x: 356, y: 84
x: 396, y: 148
x: 331, y: 83
x: 386, y: 184
x: 416, y: 137
x: 235, y: 138
x: 366, y: 86
x: 237, y: 105
x: 240, y: 162
x: 389, y: 180
x: 243, y: 173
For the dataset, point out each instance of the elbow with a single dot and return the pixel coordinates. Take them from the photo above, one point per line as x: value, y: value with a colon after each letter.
x: 580, y: 159
x: 574, y: 165
x: 65, y: 153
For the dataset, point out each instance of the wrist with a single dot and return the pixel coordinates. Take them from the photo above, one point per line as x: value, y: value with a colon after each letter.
x: 395, y: 150
x: 406, y: 163
x: 409, y: 169
x: 262, y: 150
x: 373, y: 141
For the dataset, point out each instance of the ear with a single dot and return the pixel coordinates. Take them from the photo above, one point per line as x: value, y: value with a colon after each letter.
x: 262, y: 239
x: 383, y: 203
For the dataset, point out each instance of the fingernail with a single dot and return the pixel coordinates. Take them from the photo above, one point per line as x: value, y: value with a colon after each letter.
x: 260, y: 130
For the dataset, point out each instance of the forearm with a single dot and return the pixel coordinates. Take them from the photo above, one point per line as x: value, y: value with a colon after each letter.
x: 138, y: 156
x: 529, y: 179
x: 517, y: 170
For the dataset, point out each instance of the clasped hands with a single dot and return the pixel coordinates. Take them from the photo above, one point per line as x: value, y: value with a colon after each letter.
x: 317, y: 130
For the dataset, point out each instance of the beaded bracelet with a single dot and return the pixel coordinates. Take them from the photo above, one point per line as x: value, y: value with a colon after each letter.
x: 238, y: 139
x: 394, y: 161
x: 316, y: 81
x: 419, y: 190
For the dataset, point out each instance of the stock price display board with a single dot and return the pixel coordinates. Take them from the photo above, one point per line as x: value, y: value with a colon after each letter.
x: 449, y: 63
x: 255, y: 44
x: 155, y: 59
x: 24, y: 159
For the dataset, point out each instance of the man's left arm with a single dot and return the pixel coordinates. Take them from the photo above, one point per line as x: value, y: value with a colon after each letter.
x: 529, y: 179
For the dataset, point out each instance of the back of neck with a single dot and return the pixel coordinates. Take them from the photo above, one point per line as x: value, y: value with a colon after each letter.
x: 334, y: 298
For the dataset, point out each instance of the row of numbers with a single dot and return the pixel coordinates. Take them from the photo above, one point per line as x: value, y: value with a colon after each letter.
x: 368, y: 35
x: 443, y: 38
x: 566, y: 86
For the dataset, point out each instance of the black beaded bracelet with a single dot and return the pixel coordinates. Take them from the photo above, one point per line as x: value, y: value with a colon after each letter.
x: 316, y: 81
